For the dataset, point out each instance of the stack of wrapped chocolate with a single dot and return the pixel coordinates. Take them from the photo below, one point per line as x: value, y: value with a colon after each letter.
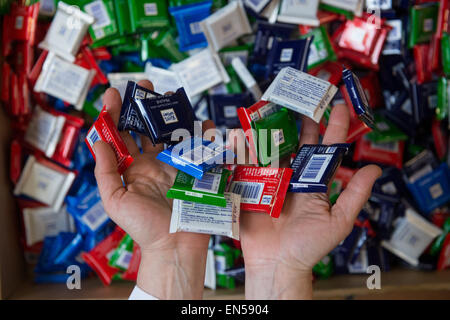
x: 259, y: 66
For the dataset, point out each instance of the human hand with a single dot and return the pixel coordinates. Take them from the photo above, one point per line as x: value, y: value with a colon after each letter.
x: 280, y: 253
x: 172, y: 265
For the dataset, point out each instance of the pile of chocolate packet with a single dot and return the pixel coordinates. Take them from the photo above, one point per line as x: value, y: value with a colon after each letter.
x: 256, y: 65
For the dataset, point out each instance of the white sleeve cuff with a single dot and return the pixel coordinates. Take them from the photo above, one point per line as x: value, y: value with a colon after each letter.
x: 138, y: 294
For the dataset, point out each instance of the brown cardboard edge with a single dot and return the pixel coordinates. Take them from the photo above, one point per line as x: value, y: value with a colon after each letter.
x: 12, y: 267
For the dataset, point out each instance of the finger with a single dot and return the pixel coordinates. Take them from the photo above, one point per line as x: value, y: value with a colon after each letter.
x: 210, y: 132
x: 146, y: 84
x: 338, y: 125
x: 207, y: 125
x: 356, y: 194
x: 309, y: 132
x: 147, y: 145
x: 109, y: 182
x: 237, y: 143
x: 113, y: 103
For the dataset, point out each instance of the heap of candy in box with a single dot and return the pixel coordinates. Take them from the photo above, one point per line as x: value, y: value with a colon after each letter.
x: 252, y: 64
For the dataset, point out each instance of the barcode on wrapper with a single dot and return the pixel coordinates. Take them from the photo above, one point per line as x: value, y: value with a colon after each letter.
x: 92, y: 136
x: 124, y: 259
x: 315, y: 168
x: 209, y: 183
x: 250, y: 192
x: 95, y: 216
x: 150, y: 9
x: 97, y: 9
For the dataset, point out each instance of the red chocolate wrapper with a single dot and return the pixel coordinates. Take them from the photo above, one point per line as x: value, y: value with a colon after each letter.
x: 101, y: 53
x: 388, y: 153
x: 97, y: 258
x: 131, y: 273
x: 444, y: 257
x: 15, y: 166
x: 86, y: 60
x: 361, y: 41
x: 440, y: 139
x: 22, y: 24
x: 268, y: 188
x: 6, y: 82
x: 105, y: 130
x: 69, y: 138
x: 423, y: 68
x: 330, y: 71
x: 246, y: 117
x: 37, y: 68
x: 14, y: 96
x: 23, y: 57
x: 434, y: 58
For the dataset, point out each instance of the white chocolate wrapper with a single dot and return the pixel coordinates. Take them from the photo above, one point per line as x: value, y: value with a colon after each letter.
x: 202, y: 218
x: 43, y: 222
x: 44, y: 131
x: 66, y: 33
x: 301, y: 92
x: 44, y: 184
x: 226, y: 25
x: 200, y: 72
x: 412, y: 235
x: 299, y: 12
x: 64, y: 80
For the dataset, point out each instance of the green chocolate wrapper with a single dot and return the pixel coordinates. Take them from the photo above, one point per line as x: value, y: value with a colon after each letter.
x: 281, y: 126
x: 121, y: 257
x: 436, y: 247
x: 445, y: 50
x: 210, y: 190
x: 423, y: 23
x: 166, y: 44
x: 123, y: 17
x: 443, y: 99
x: 225, y: 256
x: 234, y: 86
x: 94, y: 105
x: 147, y: 15
x: 321, y: 49
x: 385, y: 131
x: 105, y: 26
x: 324, y: 269
x: 348, y: 14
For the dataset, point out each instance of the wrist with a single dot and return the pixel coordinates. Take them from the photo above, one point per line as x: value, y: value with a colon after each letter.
x: 172, y: 273
x: 274, y: 281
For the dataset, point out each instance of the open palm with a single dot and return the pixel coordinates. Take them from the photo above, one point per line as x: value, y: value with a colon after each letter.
x: 308, y: 228
x: 140, y: 207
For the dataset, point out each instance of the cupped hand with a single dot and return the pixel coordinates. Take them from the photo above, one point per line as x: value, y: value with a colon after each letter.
x: 139, y: 204
x: 279, y: 252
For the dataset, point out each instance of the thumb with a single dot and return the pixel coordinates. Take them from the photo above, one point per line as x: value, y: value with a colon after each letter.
x: 355, y: 195
x: 109, y: 182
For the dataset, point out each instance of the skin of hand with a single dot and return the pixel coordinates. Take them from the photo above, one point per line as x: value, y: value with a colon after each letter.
x: 280, y: 253
x: 172, y: 265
